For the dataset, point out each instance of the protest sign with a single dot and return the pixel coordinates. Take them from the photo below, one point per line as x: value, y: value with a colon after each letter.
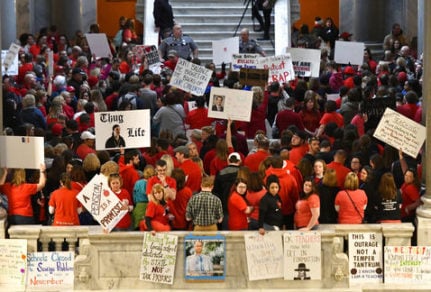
x: 98, y: 44
x: 191, y: 77
x: 280, y: 68
x: 50, y: 63
x: 306, y: 62
x: 231, y: 104
x: 401, y: 132
x: 50, y: 271
x: 12, y: 69
x: 253, y: 77
x: 102, y: 203
x: 302, y: 255
x: 224, y: 49
x: 264, y: 255
x: 244, y: 61
x: 21, y: 152
x: 11, y: 55
x: 349, y: 53
x: 205, y: 257
x: 365, y: 258
x: 159, y: 254
x: 133, y: 128
x: 13, y: 264
x: 408, y: 264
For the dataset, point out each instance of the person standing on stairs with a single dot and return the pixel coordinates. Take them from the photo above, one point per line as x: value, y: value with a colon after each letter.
x: 265, y: 22
x: 163, y: 18
x: 247, y: 45
x: 182, y: 44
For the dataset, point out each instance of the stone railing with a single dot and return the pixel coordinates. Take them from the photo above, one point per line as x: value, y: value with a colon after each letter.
x: 112, y: 261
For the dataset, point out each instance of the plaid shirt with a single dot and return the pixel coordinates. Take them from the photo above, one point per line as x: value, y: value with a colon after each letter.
x: 204, y: 209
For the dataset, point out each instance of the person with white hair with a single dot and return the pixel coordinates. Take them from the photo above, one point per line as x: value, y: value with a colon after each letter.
x: 30, y: 113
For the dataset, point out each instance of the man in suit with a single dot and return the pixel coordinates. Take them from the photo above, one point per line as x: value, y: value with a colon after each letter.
x: 218, y: 104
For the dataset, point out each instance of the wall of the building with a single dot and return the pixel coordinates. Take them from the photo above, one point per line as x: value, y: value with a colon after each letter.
x: 312, y: 8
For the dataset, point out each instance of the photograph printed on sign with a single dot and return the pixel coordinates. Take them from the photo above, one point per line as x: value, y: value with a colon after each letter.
x: 231, y: 104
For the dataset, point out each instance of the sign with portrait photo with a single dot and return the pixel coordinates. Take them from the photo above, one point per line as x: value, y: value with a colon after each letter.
x: 302, y: 255
x: 191, y: 77
x: 13, y: 264
x: 280, y: 68
x: 127, y: 129
x: 234, y: 104
x: 205, y: 257
x: 22, y: 152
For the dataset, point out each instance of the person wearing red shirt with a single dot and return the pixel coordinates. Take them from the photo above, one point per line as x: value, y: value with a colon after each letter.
x: 63, y: 203
x: 310, y: 114
x: 308, y: 207
x: 410, y: 108
x: 258, y: 113
x: 198, y: 117
x: 191, y: 169
x: 351, y: 202
x: 338, y: 165
x: 169, y: 184
x: 178, y: 206
x: 237, y: 206
x: 287, y: 117
x: 128, y: 162
x: 299, y: 146
x: 87, y: 145
x: 19, y: 195
x: 115, y: 183
x: 172, y: 60
x: 330, y: 116
x: 255, y: 192
x: 156, y: 215
x: 253, y: 160
x: 410, y: 196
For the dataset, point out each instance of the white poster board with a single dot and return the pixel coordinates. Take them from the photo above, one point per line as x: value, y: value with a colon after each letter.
x: 50, y: 271
x: 21, y: 152
x: 235, y: 104
x: 12, y: 69
x: 13, y: 264
x: 191, y: 77
x: 224, y: 49
x: 400, y: 132
x: 302, y: 255
x: 135, y: 128
x: 50, y: 63
x: 280, y: 68
x: 365, y: 258
x: 408, y: 264
x: 99, y: 45
x: 306, y: 62
x: 349, y: 53
x: 244, y: 61
x: 159, y: 254
x: 11, y: 54
x: 101, y: 202
x: 264, y: 255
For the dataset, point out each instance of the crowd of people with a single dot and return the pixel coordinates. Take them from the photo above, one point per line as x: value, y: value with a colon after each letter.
x: 313, y: 160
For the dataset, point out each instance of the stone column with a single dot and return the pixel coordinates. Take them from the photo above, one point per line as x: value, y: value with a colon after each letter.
x: 8, y: 22
x: 421, y: 22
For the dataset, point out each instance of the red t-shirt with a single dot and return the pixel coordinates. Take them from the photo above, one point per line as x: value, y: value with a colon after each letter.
x: 297, y: 153
x: 237, y: 218
x: 253, y: 199
x: 409, y: 194
x: 126, y: 221
x: 178, y: 208
x: 332, y: 117
x: 172, y: 183
x: 65, y: 203
x: 157, y: 213
x: 193, y: 174
x: 303, y: 210
x: 341, y: 171
x: 347, y: 213
x: 19, y: 198
x: 198, y: 118
x: 252, y: 161
x: 83, y: 150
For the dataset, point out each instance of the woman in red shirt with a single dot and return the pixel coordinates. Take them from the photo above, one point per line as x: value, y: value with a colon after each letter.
x: 237, y: 206
x: 156, y: 217
x: 307, y: 207
x: 255, y: 192
x: 310, y: 114
x: 178, y: 205
x: 410, y: 196
x: 115, y: 183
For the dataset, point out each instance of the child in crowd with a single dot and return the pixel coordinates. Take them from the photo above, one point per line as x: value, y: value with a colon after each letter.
x: 115, y: 183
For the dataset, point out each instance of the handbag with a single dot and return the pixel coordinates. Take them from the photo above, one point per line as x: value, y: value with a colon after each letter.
x: 356, y: 208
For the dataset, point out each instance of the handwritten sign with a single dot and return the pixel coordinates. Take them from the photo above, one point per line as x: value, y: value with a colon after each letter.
x: 365, y: 258
x: 134, y: 127
x: 408, y: 264
x: 11, y: 54
x: 280, y: 68
x: 21, y: 152
x: 400, y: 132
x: 253, y: 77
x: 159, y: 254
x: 191, y: 77
x: 224, y: 49
x: 102, y: 203
x: 235, y: 104
x: 244, y: 61
x: 12, y: 69
x: 13, y: 264
x: 302, y: 255
x: 264, y: 256
x: 50, y: 271
x: 349, y: 53
x: 98, y: 44
x: 306, y: 62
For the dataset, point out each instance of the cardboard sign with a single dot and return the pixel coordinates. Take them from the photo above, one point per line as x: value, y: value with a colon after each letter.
x: 365, y: 258
x: 400, y: 132
x: 134, y: 128
x: 205, y: 258
x: 231, y: 104
x: 11, y: 54
x: 349, y: 53
x: 191, y: 77
x: 253, y: 77
x: 101, y: 202
x: 13, y: 264
x: 280, y: 68
x: 12, y: 69
x: 224, y: 49
x: 159, y: 254
x: 264, y: 255
x: 21, y: 152
x: 99, y: 45
x: 244, y: 61
x: 306, y: 62
x: 408, y: 264
x: 302, y: 255
x: 50, y: 271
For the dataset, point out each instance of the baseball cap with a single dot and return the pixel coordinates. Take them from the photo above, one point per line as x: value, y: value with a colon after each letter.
x: 70, y: 88
x: 182, y: 149
x: 78, y: 70
x: 87, y: 135
x: 234, y: 157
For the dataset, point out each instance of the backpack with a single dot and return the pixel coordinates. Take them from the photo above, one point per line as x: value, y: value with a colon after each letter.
x: 118, y: 38
x: 130, y: 97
